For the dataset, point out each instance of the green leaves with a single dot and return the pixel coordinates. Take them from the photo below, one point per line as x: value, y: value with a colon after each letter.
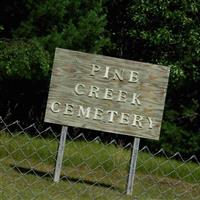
x: 78, y: 25
x: 159, y: 32
x: 23, y: 60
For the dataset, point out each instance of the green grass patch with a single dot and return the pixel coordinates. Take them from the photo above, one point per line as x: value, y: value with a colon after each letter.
x: 91, y: 170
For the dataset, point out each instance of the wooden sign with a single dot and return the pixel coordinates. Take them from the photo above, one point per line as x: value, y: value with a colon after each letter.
x: 107, y: 94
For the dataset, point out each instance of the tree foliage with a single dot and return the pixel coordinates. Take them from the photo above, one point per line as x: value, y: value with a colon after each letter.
x: 69, y: 24
x: 163, y: 32
x: 24, y: 60
x: 167, y: 33
x: 45, y: 25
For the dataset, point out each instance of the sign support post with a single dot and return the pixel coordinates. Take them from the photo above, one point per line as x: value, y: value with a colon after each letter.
x: 60, y: 154
x: 133, y: 162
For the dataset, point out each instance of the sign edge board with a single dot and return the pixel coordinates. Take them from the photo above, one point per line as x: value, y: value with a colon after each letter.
x: 135, y: 134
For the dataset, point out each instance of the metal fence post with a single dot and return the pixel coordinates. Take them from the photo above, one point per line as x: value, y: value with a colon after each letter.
x: 131, y: 176
x: 60, y: 153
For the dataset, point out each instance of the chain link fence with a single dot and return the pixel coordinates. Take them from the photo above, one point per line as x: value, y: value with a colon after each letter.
x: 91, y: 169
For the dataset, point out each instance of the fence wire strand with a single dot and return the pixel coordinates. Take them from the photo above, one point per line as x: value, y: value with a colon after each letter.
x: 91, y: 168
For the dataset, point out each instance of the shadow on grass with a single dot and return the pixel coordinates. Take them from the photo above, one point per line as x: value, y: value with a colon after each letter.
x: 43, y: 174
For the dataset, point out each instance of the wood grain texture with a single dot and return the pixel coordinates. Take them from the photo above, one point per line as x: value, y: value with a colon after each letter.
x: 71, y: 68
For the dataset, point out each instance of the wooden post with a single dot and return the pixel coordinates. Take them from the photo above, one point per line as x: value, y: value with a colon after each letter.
x: 131, y: 176
x: 60, y: 153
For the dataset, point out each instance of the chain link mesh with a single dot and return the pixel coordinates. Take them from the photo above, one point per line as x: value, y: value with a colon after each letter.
x: 91, y: 169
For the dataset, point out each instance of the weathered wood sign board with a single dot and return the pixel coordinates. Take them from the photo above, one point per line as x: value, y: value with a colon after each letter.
x: 107, y: 94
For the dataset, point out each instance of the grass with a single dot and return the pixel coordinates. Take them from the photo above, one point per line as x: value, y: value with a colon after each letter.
x: 90, y: 171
